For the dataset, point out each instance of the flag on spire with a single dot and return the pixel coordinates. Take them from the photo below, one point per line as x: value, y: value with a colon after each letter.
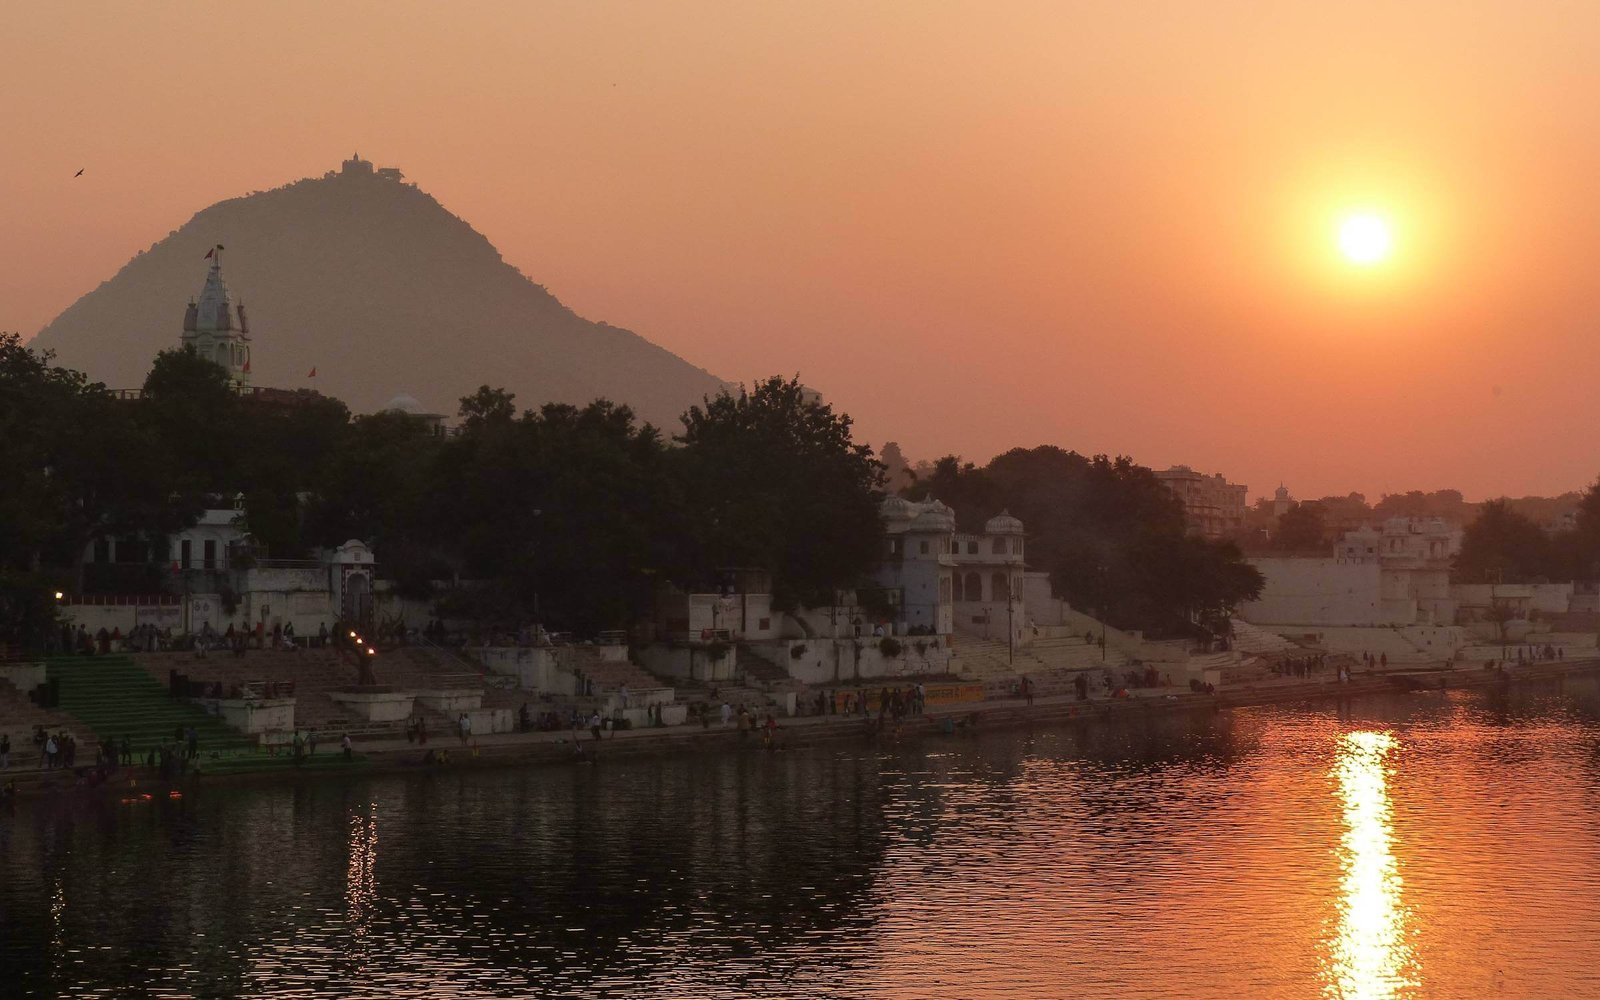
x: 247, y: 367
x: 210, y: 252
x: 312, y: 373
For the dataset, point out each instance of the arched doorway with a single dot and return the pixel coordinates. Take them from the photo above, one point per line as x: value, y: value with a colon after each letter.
x: 358, y: 600
x: 1000, y: 588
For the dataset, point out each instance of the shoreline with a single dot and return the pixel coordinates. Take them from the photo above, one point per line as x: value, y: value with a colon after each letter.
x: 557, y: 747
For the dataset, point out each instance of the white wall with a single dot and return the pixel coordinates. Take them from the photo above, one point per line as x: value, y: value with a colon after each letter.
x: 689, y: 661
x: 838, y: 661
x: 1321, y: 591
x: 1039, y: 602
x: 536, y: 668
x: 747, y: 616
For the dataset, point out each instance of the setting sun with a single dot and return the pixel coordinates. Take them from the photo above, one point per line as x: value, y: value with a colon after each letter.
x: 1365, y: 239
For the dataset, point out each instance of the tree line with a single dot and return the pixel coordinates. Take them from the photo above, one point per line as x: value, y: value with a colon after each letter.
x: 571, y: 515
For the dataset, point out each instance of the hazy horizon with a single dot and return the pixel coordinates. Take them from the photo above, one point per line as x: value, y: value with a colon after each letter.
x: 972, y: 227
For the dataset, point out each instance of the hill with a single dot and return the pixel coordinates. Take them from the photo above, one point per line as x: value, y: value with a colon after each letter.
x: 372, y: 282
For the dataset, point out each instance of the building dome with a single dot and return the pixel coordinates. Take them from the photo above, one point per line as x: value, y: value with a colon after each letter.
x: 896, y: 509
x: 403, y: 404
x: 1002, y: 524
x: 932, y: 519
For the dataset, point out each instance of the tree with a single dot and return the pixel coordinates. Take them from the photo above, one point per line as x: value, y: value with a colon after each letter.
x: 189, y: 405
x: 897, y: 473
x: 773, y: 480
x: 76, y: 467
x: 1502, y: 546
x: 1580, y: 547
x: 1300, y: 529
x: 291, y: 452
x: 565, y: 510
x: 370, y: 484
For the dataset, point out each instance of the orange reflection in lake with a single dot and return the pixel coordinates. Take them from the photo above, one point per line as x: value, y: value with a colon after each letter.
x: 1370, y: 954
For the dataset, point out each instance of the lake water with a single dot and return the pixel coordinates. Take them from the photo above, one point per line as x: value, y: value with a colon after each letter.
x: 1408, y: 845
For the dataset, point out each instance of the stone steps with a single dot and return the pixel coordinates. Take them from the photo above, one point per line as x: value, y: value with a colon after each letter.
x: 114, y: 698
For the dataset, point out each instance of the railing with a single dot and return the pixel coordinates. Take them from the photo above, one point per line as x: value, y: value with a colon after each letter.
x: 120, y: 600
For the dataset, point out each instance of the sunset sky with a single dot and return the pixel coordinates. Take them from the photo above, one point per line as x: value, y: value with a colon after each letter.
x: 1109, y: 226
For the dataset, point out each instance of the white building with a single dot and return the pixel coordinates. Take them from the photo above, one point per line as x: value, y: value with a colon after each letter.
x: 940, y: 580
x: 988, y: 576
x: 918, y: 563
x: 1396, y: 574
x: 739, y: 608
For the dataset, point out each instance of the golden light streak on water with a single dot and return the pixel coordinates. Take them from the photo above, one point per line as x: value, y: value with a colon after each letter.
x: 1370, y: 954
x: 361, y: 883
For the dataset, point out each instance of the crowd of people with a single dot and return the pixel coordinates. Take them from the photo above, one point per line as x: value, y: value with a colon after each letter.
x: 58, y: 751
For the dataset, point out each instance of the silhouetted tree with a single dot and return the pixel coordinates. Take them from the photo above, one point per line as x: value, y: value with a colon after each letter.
x: 772, y: 479
x: 1502, y: 546
x: 566, y: 511
x: 1300, y: 529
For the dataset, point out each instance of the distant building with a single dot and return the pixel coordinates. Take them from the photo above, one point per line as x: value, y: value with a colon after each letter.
x: 357, y: 167
x: 1394, y: 575
x: 410, y: 406
x: 1213, y: 507
x: 1282, y: 502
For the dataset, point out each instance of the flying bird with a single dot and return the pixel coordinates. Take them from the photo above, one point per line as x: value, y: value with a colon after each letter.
x: 80, y: 172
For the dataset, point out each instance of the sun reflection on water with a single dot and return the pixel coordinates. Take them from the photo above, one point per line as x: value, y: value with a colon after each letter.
x: 1370, y: 954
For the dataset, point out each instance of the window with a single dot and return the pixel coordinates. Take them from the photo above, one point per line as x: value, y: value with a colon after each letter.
x: 1016, y: 546
x: 972, y: 546
x: 999, y: 546
x: 211, y: 554
x: 924, y: 546
x: 974, y: 587
x: 184, y: 553
x: 102, y: 550
x: 956, y: 587
x: 1000, y: 588
x: 894, y: 546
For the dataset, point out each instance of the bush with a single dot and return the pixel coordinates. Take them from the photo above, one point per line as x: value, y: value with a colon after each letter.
x: 716, y: 651
x: 795, y: 652
x: 890, y: 647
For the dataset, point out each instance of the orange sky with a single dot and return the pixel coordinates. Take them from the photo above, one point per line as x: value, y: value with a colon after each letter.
x: 1107, y: 226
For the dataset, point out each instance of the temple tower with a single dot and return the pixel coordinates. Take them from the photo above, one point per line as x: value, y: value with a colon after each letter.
x: 217, y: 329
